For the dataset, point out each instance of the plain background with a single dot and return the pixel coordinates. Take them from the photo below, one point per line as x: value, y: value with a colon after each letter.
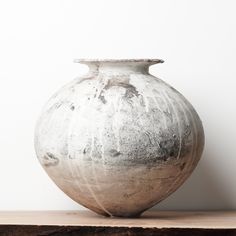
x: 40, y: 39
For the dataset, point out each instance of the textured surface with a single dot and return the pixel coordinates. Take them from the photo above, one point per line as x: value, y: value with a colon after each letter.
x: 118, y: 140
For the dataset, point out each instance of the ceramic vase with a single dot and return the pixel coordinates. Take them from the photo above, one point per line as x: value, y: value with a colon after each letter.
x: 118, y: 140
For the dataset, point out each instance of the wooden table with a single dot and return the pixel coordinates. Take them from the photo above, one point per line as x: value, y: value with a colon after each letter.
x: 60, y: 223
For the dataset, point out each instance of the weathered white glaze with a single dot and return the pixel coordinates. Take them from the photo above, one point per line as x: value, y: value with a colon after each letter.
x: 118, y: 140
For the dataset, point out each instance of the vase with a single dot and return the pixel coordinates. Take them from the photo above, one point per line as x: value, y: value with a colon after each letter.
x: 118, y: 140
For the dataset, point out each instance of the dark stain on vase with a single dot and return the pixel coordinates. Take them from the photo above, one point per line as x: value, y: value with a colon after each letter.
x: 130, y: 89
x: 72, y: 107
x: 130, y: 92
x: 182, y: 166
x: 50, y: 160
x: 114, y: 153
x: 102, y: 98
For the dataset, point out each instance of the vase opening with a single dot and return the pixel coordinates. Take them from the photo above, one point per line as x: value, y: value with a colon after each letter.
x: 119, y: 65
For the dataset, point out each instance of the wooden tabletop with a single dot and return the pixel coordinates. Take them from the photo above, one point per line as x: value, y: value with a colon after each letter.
x: 149, y: 219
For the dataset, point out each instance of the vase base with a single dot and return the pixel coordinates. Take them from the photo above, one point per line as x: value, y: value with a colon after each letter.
x: 117, y: 215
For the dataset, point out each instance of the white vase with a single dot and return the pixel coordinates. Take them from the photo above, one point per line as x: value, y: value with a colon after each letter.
x: 118, y: 140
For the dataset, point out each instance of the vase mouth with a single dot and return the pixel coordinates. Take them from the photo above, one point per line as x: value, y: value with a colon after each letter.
x: 148, y: 61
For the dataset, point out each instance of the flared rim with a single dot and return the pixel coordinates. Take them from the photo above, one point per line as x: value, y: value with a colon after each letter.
x: 84, y: 60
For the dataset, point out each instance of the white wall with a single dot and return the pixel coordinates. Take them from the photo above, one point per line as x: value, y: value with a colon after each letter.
x: 40, y: 39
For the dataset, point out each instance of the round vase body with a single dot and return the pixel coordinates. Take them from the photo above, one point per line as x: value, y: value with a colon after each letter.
x: 118, y: 140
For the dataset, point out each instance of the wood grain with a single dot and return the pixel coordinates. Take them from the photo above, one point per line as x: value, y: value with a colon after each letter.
x: 60, y: 223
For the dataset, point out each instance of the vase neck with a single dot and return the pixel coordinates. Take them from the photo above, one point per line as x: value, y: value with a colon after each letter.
x: 119, y: 67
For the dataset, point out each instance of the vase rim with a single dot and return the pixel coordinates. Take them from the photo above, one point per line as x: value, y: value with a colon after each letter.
x: 84, y: 60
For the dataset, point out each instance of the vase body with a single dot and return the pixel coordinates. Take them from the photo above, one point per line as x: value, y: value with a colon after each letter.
x: 118, y: 140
